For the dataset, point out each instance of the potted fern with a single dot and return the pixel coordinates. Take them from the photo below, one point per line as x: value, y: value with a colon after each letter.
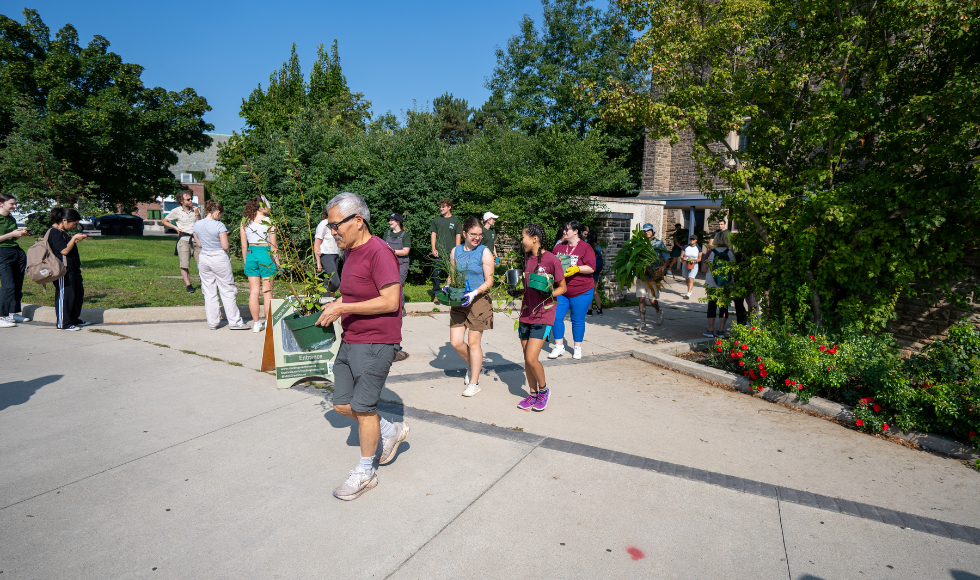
x: 638, y: 260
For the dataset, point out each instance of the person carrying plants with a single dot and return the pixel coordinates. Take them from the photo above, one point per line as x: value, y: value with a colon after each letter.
x: 544, y: 282
x: 643, y: 290
x: 327, y: 254
x: 370, y: 313
x: 185, y: 215
x: 446, y: 231
x: 13, y: 261
x: 579, y: 261
x: 214, y: 269
x: 260, y: 254
x: 490, y: 234
x: 691, y: 256
x: 68, y: 290
x: 474, y: 263
x: 720, y: 253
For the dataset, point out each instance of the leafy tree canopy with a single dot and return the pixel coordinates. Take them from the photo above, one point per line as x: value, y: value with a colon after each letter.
x: 92, y: 116
x: 858, y: 179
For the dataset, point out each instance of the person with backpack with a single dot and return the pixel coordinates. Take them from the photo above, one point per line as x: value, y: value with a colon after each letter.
x: 13, y: 261
x: 643, y: 295
x: 715, y: 279
x: 68, y: 290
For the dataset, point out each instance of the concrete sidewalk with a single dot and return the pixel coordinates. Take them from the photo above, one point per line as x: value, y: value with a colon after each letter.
x: 127, y: 459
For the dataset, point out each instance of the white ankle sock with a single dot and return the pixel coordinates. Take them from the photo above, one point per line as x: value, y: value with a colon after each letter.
x: 366, y: 464
x: 387, y: 427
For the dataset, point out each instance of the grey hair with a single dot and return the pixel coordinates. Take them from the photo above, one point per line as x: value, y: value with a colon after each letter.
x: 721, y: 239
x: 350, y: 204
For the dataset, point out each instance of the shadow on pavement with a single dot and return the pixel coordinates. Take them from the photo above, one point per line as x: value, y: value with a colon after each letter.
x: 19, y: 392
x: 514, y: 379
x: 963, y: 575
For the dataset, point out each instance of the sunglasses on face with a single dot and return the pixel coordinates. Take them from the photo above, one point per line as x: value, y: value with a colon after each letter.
x: 336, y: 226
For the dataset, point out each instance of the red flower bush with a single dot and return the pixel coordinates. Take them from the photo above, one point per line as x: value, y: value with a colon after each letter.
x: 859, y: 423
x: 884, y: 426
x: 741, y: 363
x: 877, y: 408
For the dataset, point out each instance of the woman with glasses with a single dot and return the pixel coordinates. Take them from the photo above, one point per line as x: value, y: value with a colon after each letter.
x: 475, y: 262
x: 580, y: 288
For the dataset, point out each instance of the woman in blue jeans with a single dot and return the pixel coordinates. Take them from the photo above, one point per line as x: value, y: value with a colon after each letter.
x: 580, y: 288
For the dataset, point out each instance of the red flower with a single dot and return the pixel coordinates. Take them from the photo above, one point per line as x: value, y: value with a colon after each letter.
x: 720, y: 349
x: 758, y: 359
x: 741, y: 363
x: 745, y: 347
x: 733, y: 355
x: 973, y: 434
x: 788, y: 382
x: 762, y: 366
x: 799, y: 387
x: 877, y: 408
x: 787, y: 335
x: 763, y: 373
x: 833, y: 350
x: 871, y: 399
x: 753, y: 328
x: 739, y: 354
x: 813, y: 337
x: 718, y: 342
x: 859, y: 423
x: 745, y: 374
x: 884, y: 426
x: 737, y: 343
x: 823, y: 347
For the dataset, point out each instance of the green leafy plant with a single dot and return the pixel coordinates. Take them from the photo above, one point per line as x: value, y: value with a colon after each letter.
x: 638, y: 260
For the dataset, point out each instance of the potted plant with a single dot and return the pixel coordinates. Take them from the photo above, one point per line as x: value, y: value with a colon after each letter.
x: 452, y: 293
x: 297, y: 265
x: 638, y: 260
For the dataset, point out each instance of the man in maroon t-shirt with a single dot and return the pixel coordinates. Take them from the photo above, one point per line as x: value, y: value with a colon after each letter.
x: 370, y: 312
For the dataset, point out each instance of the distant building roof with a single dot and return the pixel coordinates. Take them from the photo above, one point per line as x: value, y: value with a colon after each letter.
x: 204, y: 161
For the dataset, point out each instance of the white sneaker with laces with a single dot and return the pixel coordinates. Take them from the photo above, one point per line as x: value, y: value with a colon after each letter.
x: 72, y: 327
x: 389, y: 445
x: 7, y: 322
x: 258, y: 325
x: 241, y: 326
x: 19, y: 318
x: 471, y: 389
x: 557, y: 351
x: 577, y: 352
x: 357, y: 483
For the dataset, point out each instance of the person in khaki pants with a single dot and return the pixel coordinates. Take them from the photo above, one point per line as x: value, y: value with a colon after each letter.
x: 214, y: 268
x: 184, y: 216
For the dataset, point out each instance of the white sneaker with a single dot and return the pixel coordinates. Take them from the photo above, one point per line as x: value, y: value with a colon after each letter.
x: 258, y: 325
x: 471, y: 389
x: 390, y: 445
x: 240, y: 326
x: 557, y: 351
x: 660, y: 318
x: 7, y: 322
x: 577, y: 352
x: 72, y: 327
x: 19, y: 318
x: 83, y: 323
x: 686, y: 296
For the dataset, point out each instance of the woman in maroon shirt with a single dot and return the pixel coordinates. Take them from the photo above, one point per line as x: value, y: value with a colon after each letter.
x: 581, y: 286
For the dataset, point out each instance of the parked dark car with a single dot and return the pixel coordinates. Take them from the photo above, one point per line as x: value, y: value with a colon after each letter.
x: 120, y: 224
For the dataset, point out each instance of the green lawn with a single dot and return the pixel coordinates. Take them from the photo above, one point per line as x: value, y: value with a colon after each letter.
x: 134, y: 272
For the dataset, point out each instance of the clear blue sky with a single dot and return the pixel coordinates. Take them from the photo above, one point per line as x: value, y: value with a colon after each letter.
x: 392, y: 51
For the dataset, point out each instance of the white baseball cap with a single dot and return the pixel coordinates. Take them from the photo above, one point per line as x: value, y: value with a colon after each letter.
x: 489, y: 215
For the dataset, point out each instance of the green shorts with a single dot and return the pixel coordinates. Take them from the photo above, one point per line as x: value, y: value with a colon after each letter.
x: 527, y: 331
x: 259, y: 262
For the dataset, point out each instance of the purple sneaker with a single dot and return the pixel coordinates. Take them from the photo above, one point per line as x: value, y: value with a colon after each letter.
x: 541, y: 401
x: 526, y: 403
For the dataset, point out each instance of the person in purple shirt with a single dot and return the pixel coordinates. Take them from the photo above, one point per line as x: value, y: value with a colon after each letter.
x: 370, y: 313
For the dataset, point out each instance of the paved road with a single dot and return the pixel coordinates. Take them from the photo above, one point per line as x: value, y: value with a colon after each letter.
x: 124, y: 459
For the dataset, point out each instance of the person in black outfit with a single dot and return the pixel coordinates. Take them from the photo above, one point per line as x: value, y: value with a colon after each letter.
x: 68, y: 291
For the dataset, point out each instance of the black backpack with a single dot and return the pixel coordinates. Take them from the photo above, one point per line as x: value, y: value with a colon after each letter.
x: 721, y: 279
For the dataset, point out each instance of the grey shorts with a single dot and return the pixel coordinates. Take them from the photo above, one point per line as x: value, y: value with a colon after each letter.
x: 359, y: 374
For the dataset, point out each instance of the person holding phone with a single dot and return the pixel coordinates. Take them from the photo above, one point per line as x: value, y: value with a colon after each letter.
x: 68, y: 291
x: 13, y: 261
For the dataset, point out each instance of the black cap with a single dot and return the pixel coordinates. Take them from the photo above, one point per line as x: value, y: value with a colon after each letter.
x: 397, y: 217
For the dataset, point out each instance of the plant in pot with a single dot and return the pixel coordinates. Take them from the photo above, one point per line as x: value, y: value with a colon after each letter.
x: 297, y: 264
x: 638, y: 260
x: 452, y: 292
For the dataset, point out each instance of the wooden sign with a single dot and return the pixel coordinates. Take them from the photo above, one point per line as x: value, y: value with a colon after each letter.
x: 293, y: 365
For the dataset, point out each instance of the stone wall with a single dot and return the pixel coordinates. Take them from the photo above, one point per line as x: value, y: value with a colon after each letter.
x: 613, y: 230
x: 919, y: 321
x: 669, y: 170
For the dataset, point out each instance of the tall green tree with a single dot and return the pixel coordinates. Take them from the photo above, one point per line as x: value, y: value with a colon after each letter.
x: 858, y: 178
x: 455, y: 119
x: 97, y: 116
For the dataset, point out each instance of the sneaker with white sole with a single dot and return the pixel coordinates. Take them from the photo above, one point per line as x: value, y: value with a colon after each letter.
x: 18, y: 318
x: 213, y: 327
x: 471, y: 389
x: 357, y: 483
x: 641, y: 326
x: 7, y: 322
x: 686, y: 295
x: 660, y: 318
x: 241, y: 326
x: 541, y: 402
x: 258, y: 325
x: 72, y: 328
x: 527, y: 401
x: 708, y: 333
x: 389, y: 445
x: 83, y: 323
x: 577, y: 352
x: 557, y: 351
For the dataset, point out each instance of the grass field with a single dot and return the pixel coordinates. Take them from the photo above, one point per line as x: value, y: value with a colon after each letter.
x: 135, y: 272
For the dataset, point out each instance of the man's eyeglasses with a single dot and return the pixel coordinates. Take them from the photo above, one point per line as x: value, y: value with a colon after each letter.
x: 336, y: 226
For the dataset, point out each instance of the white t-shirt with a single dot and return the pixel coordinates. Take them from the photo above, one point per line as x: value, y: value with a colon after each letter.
x: 328, y: 245
x: 692, y: 251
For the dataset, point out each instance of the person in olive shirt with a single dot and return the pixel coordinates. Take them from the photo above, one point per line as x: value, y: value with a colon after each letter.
x: 13, y: 261
x: 446, y: 231
x: 490, y: 234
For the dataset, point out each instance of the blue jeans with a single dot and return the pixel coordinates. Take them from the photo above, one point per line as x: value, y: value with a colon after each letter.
x: 579, y: 305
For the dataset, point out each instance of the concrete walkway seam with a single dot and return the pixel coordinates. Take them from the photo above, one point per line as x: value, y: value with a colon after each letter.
x: 506, y: 367
x: 666, y: 356
x: 860, y: 510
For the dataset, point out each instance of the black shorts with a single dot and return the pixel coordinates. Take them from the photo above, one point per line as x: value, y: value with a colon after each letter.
x: 526, y: 331
x: 359, y: 374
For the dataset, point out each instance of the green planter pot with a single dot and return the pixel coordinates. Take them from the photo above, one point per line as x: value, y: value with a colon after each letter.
x: 541, y: 282
x: 454, y: 298
x: 566, y: 261
x: 308, y: 335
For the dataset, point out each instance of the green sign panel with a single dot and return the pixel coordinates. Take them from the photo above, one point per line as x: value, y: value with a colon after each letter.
x: 294, y: 365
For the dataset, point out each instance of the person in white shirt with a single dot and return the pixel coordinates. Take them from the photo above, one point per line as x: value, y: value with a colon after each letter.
x: 261, y: 257
x: 181, y: 219
x: 327, y: 253
x: 214, y: 268
x: 691, y: 256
